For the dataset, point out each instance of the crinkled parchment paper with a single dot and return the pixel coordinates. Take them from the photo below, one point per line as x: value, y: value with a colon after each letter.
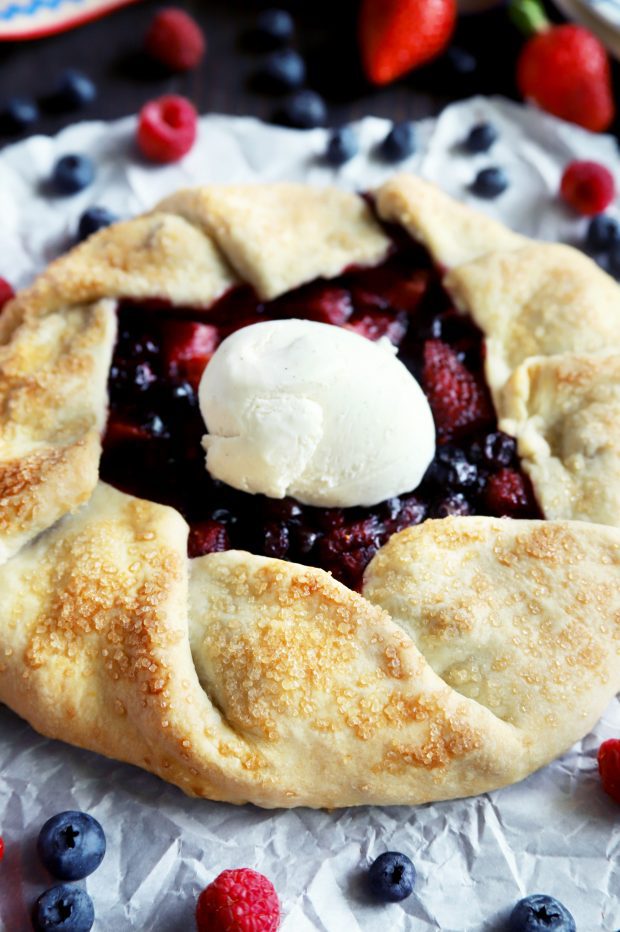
x: 556, y: 832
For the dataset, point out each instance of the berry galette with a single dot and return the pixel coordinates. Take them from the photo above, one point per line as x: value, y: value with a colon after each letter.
x: 395, y: 578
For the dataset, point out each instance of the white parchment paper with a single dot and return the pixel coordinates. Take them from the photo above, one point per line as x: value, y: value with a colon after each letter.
x: 556, y: 832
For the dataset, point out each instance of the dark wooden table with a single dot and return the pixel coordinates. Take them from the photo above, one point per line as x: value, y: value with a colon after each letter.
x: 109, y: 51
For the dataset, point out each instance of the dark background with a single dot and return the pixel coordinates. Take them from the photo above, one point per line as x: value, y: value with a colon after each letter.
x: 109, y: 51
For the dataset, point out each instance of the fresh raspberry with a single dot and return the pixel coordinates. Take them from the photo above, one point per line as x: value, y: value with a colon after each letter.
x: 167, y: 128
x: 457, y: 399
x: 207, y: 537
x: 565, y: 70
x: 588, y: 187
x: 6, y: 292
x: 239, y: 900
x: 175, y: 39
x: 188, y: 347
x: 506, y: 494
x: 1, y: 848
x: 609, y: 767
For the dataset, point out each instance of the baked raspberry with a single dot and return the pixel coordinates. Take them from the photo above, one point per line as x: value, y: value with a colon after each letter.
x: 240, y: 900
x: 207, y: 537
x: 587, y: 187
x: 507, y: 494
x: 609, y: 767
x: 175, y: 40
x: 6, y: 292
x: 457, y: 398
x: 167, y: 128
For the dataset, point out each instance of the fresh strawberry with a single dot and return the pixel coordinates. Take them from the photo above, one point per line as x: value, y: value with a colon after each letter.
x: 207, y: 537
x: 588, y: 187
x: 457, y: 399
x: 188, y: 347
x: 398, y: 35
x: 565, y: 70
x: 609, y: 767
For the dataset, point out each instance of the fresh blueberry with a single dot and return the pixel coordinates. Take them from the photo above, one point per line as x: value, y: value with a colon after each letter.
x: 71, y: 845
x: 72, y: 173
x: 451, y: 469
x: 481, y: 137
x: 391, y: 877
x: 93, y: 219
x: 274, y: 27
x: 540, y: 913
x: 399, y: 143
x: 461, y: 61
x: 305, y: 110
x: 490, y: 183
x: 73, y: 90
x: 451, y: 506
x: 64, y: 907
x: 18, y: 114
x: 612, y: 263
x: 342, y: 146
x: 284, y: 70
x: 603, y: 232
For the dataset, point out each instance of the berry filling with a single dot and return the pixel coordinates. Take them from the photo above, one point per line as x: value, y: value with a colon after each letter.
x: 152, y: 444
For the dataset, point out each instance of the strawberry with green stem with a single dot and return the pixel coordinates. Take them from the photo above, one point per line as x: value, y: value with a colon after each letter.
x: 564, y: 69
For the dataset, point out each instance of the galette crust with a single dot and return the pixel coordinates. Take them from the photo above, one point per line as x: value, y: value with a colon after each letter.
x: 280, y: 236
x: 565, y: 413
x: 53, y: 376
x: 453, y: 233
x: 243, y: 678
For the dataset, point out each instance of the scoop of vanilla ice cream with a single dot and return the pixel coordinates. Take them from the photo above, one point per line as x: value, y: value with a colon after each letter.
x: 299, y: 408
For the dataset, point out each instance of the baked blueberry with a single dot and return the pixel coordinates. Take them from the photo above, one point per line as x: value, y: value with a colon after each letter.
x: 391, y: 877
x: 65, y: 907
x: 481, y: 137
x: 603, y: 232
x: 452, y: 469
x: 93, y: 219
x: 342, y: 146
x: 540, y: 913
x: 305, y: 110
x: 284, y: 70
x: 72, y: 173
x: 490, y: 183
x: 71, y: 845
x: 399, y: 143
x: 18, y: 114
x: 274, y: 27
x: 73, y: 90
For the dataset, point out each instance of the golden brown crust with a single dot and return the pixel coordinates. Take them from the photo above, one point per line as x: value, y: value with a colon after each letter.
x: 280, y: 236
x: 453, y: 233
x: 524, y: 617
x: 53, y: 375
x: 243, y: 678
x: 565, y: 412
